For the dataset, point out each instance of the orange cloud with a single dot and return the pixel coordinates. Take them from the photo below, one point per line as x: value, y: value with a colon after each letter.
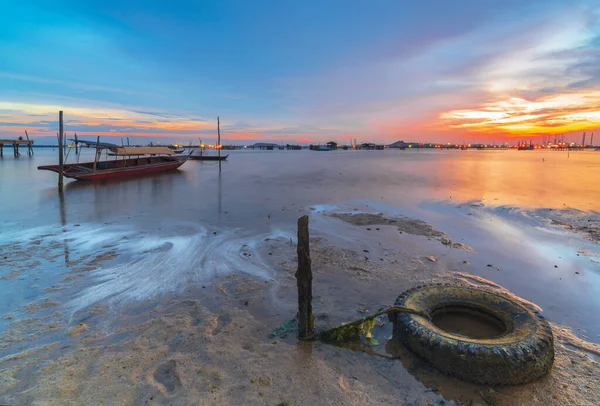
x: 554, y: 114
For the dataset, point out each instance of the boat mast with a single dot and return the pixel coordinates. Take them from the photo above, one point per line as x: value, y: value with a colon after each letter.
x: 219, y: 136
x: 98, y: 152
x: 76, y: 144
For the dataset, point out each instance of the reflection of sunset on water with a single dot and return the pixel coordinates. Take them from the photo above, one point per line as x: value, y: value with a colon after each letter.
x: 552, y: 179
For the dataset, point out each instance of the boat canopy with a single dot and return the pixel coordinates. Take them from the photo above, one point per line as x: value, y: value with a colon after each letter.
x: 124, y: 151
x: 96, y: 144
x: 120, y: 151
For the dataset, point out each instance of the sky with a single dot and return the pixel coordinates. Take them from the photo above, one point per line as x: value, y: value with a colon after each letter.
x: 301, y: 71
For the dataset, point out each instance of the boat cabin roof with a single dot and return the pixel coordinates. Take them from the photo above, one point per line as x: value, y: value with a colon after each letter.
x: 122, y: 151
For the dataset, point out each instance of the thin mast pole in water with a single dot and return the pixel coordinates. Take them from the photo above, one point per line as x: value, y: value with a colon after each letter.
x: 219, y: 136
x: 98, y: 153
x: 219, y: 141
x: 60, y: 150
x: 77, y: 148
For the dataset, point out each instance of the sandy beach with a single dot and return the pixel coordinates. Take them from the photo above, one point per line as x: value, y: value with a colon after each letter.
x: 211, y: 343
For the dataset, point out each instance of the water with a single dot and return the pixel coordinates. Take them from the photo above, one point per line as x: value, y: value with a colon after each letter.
x: 185, y: 227
x: 265, y: 182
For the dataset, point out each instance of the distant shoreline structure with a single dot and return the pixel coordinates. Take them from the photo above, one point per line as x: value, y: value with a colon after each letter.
x: 398, y: 145
x: 546, y: 143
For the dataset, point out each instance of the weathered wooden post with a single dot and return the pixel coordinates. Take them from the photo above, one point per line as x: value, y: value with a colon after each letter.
x: 306, y: 321
x: 29, y: 145
x: 60, y: 150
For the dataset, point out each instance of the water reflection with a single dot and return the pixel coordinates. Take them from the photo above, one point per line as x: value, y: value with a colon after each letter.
x: 411, y: 367
x: 304, y: 352
x: 61, y: 205
x: 522, y: 178
x: 63, y: 222
x: 219, y: 192
x: 130, y: 196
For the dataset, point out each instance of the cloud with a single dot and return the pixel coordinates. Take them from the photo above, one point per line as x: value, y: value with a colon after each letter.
x: 533, y: 82
x: 557, y: 113
x: 74, y: 85
x: 424, y: 70
x: 155, y: 113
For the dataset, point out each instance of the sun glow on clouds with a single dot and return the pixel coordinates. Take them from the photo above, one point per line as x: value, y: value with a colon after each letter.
x: 42, y: 119
x: 523, y: 68
x: 552, y: 114
x: 547, y: 86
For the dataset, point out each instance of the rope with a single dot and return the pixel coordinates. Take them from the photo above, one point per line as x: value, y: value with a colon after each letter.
x: 400, y: 309
x: 353, y: 330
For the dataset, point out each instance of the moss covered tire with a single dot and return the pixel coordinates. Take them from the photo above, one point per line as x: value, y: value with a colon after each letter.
x: 521, y: 353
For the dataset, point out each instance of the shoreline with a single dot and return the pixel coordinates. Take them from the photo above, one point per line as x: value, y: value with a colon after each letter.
x: 211, y: 340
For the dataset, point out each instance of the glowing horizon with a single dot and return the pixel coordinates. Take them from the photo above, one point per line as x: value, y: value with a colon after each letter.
x: 372, y: 72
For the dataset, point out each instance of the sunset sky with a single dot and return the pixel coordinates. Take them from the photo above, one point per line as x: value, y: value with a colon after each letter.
x: 378, y: 70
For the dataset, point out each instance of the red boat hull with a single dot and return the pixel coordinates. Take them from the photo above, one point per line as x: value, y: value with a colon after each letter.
x: 84, y: 173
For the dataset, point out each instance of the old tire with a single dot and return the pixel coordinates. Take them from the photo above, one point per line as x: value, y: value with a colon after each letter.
x: 522, y: 353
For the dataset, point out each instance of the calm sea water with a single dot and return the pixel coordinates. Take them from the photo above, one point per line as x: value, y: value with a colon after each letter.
x: 491, y: 200
x: 265, y: 182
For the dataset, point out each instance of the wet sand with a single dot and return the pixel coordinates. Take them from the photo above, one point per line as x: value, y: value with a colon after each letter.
x: 576, y: 221
x: 210, y: 342
x: 402, y: 223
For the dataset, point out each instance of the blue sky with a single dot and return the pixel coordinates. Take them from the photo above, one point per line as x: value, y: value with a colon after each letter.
x: 282, y: 70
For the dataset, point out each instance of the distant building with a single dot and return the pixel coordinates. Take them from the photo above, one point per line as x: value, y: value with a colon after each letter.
x: 263, y: 145
x: 332, y: 145
x: 399, y: 144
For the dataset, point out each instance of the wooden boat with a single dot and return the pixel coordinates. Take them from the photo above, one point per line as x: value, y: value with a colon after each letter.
x: 202, y: 157
x: 199, y: 155
x: 147, y: 160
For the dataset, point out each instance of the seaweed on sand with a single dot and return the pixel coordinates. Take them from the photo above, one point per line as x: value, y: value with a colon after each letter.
x: 354, y: 330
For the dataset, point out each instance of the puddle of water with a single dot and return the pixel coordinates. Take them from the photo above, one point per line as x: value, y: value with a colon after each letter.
x: 468, y: 323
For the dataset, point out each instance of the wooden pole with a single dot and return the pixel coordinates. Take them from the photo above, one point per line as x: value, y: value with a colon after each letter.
x: 76, y: 148
x: 60, y: 150
x: 29, y: 147
x: 97, y: 156
x: 219, y: 136
x: 306, y: 322
x: 219, y: 141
